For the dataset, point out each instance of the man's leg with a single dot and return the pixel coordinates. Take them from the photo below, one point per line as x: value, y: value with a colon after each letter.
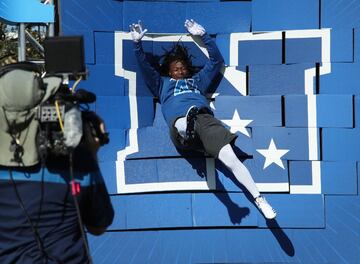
x: 242, y: 174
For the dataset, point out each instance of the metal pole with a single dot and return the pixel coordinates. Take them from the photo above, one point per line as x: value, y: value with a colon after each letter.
x: 22, y: 43
x: 51, y: 25
x: 34, y: 42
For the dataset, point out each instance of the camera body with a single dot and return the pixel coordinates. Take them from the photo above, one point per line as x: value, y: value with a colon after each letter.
x: 39, y: 113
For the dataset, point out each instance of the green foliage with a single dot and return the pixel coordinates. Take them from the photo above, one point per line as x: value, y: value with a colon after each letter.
x: 8, y: 46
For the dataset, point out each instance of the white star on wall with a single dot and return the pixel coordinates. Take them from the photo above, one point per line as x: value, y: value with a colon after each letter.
x: 273, y: 155
x: 238, y: 124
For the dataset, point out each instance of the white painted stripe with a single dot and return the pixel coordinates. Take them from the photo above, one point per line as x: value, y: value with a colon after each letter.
x: 315, y: 187
x: 273, y: 187
x: 163, y: 187
x: 236, y: 79
x: 191, y: 186
x: 236, y: 37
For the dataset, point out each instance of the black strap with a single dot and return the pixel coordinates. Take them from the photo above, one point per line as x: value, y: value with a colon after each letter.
x: 190, y: 122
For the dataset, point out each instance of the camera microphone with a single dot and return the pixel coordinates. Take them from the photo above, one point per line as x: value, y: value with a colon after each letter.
x: 81, y: 96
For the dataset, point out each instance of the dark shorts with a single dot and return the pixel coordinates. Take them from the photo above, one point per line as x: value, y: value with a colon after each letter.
x: 210, y: 137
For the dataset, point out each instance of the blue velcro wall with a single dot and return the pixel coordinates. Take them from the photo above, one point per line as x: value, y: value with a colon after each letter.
x: 289, y: 90
x: 272, y: 15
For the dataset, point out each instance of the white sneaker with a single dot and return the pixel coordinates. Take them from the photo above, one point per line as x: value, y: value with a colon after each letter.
x: 265, y: 208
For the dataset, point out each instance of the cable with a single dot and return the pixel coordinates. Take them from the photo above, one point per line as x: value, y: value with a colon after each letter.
x: 72, y: 89
x: 57, y: 107
x: 75, y: 190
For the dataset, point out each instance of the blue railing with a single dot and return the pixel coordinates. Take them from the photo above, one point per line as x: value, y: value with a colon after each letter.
x: 25, y: 11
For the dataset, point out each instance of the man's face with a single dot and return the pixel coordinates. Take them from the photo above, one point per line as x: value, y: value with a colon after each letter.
x: 178, y: 70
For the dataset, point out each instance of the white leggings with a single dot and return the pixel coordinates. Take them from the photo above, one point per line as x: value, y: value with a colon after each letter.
x: 241, y: 173
x: 230, y: 160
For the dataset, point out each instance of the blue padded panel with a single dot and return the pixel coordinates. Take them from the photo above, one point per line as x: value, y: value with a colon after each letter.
x: 198, y: 60
x: 154, y: 142
x: 340, y: 144
x: 105, y: 15
x: 185, y: 210
x: 356, y: 45
x: 342, y: 45
x: 223, y: 44
x: 222, y: 209
x: 119, y: 205
x: 300, y: 172
x: 339, y: 14
x: 108, y: 170
x: 129, y: 60
x: 303, y: 50
x: 356, y: 111
x: 109, y: 151
x: 263, y: 110
x: 245, y: 144
x: 104, y: 48
x: 272, y: 174
x: 297, y: 211
x: 103, y: 82
x: 293, y: 139
x: 296, y: 111
x: 172, y: 0
x: 339, y: 116
x: 260, y: 52
x: 189, y: 169
x: 141, y: 171
x: 269, y: 15
x: 235, y: 16
x: 145, y: 108
x: 339, y: 178
x: 157, y: 210
x: 251, y: 52
x: 130, y: 64
x: 165, y: 170
x: 327, y: 115
x: 165, y: 21
x: 336, y: 177
x: 89, y: 42
x: 358, y: 174
x: 159, y: 120
x: 107, y: 106
x: 348, y: 73
x: 277, y: 79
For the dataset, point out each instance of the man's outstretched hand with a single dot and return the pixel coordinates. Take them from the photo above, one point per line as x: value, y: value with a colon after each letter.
x: 137, y: 31
x: 194, y: 28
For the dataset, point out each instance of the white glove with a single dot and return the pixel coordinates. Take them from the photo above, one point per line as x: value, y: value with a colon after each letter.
x: 137, y: 31
x: 194, y: 28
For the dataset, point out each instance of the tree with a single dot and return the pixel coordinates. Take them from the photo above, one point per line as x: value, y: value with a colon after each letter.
x: 9, y: 43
